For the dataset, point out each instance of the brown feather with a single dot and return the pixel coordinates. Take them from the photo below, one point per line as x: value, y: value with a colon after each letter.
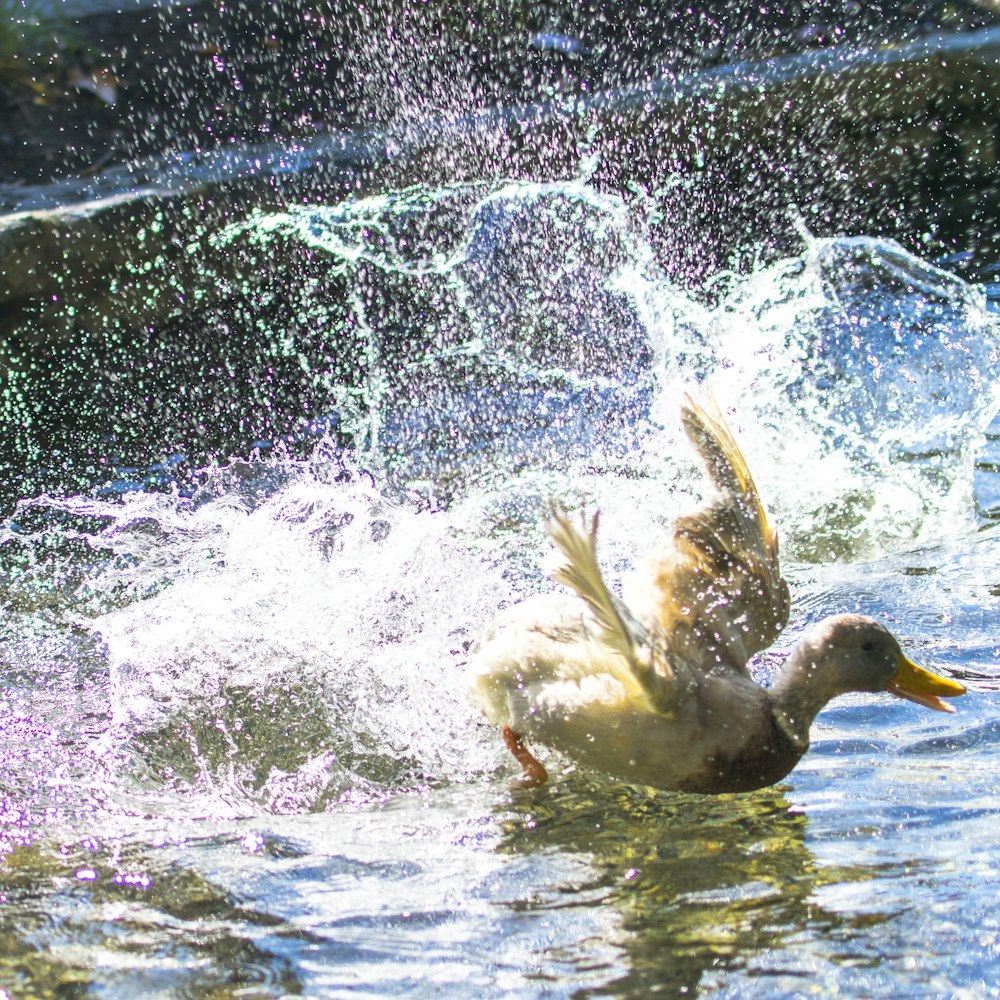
x: 719, y: 591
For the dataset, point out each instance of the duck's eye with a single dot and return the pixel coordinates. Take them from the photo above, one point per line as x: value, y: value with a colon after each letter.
x: 868, y: 645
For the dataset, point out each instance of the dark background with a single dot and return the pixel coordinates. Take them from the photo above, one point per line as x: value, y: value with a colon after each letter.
x: 196, y: 76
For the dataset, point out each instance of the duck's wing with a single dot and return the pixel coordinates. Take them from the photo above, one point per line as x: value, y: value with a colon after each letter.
x: 643, y: 662
x: 719, y: 594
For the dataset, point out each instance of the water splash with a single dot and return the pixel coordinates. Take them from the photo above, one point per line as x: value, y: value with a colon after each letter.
x: 532, y: 323
x: 268, y: 666
x: 878, y: 373
x: 291, y: 634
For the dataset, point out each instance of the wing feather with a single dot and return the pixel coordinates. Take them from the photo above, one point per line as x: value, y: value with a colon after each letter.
x: 641, y: 649
x: 720, y: 595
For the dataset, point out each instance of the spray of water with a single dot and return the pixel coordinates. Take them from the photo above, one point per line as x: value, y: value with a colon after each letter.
x: 293, y: 633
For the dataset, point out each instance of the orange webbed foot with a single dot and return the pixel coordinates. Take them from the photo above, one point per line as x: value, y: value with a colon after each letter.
x: 534, y: 773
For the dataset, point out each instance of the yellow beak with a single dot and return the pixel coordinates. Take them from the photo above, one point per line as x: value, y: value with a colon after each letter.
x: 916, y: 684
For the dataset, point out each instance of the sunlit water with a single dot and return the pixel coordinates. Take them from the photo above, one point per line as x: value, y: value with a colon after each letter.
x: 238, y: 757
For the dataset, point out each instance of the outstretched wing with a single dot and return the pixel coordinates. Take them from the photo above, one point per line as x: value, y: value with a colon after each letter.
x: 640, y: 649
x: 719, y: 594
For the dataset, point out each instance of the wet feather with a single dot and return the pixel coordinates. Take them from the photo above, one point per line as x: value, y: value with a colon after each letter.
x: 663, y: 697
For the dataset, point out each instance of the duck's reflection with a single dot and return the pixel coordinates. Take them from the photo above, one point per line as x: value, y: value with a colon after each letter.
x: 702, y: 885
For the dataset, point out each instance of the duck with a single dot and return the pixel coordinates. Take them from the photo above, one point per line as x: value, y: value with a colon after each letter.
x: 659, y: 693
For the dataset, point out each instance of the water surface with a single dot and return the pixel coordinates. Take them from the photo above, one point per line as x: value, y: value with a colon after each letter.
x: 238, y: 757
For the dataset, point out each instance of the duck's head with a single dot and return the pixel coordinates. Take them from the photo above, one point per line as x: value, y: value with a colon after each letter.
x: 847, y: 653
x: 855, y: 653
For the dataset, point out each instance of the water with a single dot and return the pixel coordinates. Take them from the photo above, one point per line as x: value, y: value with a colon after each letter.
x: 238, y: 758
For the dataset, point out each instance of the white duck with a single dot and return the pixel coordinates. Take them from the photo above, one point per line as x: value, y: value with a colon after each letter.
x: 664, y: 699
